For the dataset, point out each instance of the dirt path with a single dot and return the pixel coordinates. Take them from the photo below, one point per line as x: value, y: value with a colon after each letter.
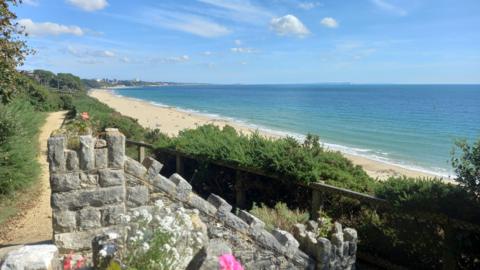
x: 34, y: 223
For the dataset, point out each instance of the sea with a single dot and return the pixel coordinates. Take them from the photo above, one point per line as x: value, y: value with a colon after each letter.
x: 412, y: 126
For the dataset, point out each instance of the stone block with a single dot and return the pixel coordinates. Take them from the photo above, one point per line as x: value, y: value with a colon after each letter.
x: 64, y: 182
x: 251, y: 220
x: 89, y: 218
x: 207, y: 257
x: 288, y: 241
x: 165, y: 185
x: 201, y: 204
x: 132, y: 181
x: 71, y: 160
x: 116, y: 148
x: 183, y: 187
x: 88, y: 180
x: 75, y: 200
x: 137, y: 196
x: 101, y: 154
x: 312, y: 225
x: 56, y: 153
x: 83, y: 240
x: 153, y: 167
x: 218, y: 202
x: 235, y: 222
x: 267, y: 240
x: 350, y: 235
x: 109, y: 177
x: 111, y: 215
x: 34, y: 257
x: 135, y: 168
x: 64, y: 221
x: 324, y: 250
x: 87, y: 152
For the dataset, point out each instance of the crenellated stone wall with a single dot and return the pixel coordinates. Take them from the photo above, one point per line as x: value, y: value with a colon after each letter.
x: 96, y: 184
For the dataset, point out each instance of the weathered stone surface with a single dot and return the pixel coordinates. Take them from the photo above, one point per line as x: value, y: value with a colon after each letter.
x: 89, y: 218
x: 267, y: 240
x: 312, y: 225
x: 111, y: 215
x: 201, y: 204
x: 251, y: 220
x: 137, y: 196
x: 116, y: 148
x: 207, y: 257
x: 64, y: 182
x: 56, y: 153
x: 35, y: 257
x: 101, y: 154
x: 87, y: 152
x: 71, y: 160
x: 287, y: 240
x: 109, y: 177
x: 97, y: 198
x: 135, y: 168
x: 88, y: 180
x: 183, y: 187
x: 235, y: 222
x: 153, y: 167
x: 82, y: 240
x: 165, y: 185
x: 324, y: 249
x: 350, y: 235
x: 218, y: 202
x: 64, y: 221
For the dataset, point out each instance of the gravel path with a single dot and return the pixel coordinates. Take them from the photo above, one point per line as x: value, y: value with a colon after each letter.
x: 33, y: 223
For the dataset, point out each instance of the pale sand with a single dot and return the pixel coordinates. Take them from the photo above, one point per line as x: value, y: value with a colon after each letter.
x: 171, y: 120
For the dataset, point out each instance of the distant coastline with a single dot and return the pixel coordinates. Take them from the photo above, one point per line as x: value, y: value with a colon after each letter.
x: 171, y: 120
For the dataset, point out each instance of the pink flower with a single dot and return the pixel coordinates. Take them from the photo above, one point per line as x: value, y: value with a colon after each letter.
x: 85, y: 116
x: 228, y: 262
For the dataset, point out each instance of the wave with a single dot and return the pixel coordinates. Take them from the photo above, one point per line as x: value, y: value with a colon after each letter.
x: 374, y: 155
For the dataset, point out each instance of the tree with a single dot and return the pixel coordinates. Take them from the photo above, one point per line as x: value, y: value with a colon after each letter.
x: 13, y: 49
x: 467, y: 165
x: 44, y: 77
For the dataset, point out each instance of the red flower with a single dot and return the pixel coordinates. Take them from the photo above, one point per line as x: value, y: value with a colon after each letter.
x: 67, y: 262
x: 85, y: 116
x: 80, y: 263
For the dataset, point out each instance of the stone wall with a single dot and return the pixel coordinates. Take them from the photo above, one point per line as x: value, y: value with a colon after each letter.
x: 95, y: 185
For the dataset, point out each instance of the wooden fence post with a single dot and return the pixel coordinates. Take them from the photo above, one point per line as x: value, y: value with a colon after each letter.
x: 179, y: 164
x: 141, y: 153
x: 239, y: 190
x: 317, y: 203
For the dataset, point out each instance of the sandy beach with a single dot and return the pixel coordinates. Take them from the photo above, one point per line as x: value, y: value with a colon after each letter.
x: 171, y: 120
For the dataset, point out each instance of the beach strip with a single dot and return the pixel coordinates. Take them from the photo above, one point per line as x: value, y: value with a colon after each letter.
x: 170, y: 120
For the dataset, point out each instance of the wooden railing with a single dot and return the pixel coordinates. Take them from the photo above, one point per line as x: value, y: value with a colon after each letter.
x: 319, y: 191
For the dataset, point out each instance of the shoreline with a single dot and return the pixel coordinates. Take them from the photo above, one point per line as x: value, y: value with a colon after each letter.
x: 171, y: 120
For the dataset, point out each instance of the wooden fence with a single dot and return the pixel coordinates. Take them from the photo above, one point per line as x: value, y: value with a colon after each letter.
x: 319, y: 191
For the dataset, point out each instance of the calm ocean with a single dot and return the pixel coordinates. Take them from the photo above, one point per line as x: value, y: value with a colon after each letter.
x: 413, y: 126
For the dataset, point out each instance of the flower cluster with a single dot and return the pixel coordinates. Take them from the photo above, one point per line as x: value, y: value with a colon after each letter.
x: 72, y: 262
x: 161, y: 238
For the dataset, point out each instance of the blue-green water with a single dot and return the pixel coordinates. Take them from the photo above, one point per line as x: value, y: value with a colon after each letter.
x: 413, y: 126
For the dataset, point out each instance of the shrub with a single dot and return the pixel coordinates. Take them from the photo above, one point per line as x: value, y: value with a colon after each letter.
x: 467, y: 166
x: 20, y: 125
x: 280, y: 216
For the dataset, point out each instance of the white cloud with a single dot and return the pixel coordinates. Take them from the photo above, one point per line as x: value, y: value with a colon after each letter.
x: 184, y: 22
x: 49, y: 28
x: 289, y: 25
x: 242, y: 10
x: 176, y: 59
x: 308, y: 5
x: 89, y: 52
x: 238, y: 42
x: 383, y: 4
x: 31, y: 2
x: 329, y: 22
x: 207, y: 53
x: 89, y: 5
x: 242, y: 50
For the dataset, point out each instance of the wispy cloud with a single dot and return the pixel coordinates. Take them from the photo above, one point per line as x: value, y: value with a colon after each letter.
x: 308, y: 5
x: 49, y: 28
x: 385, y: 5
x: 89, y: 5
x: 89, y: 52
x: 240, y: 10
x: 289, y: 25
x: 242, y: 50
x: 31, y: 2
x: 329, y: 22
x: 185, y: 22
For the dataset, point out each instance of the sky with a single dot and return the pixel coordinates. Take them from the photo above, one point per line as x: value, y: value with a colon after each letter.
x: 257, y: 41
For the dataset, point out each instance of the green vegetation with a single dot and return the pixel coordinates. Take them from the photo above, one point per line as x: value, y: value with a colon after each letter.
x: 280, y: 216
x: 60, y: 81
x: 467, y: 166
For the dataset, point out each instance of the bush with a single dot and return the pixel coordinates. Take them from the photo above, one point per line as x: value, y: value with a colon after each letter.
x: 467, y: 166
x: 20, y: 125
x: 279, y: 217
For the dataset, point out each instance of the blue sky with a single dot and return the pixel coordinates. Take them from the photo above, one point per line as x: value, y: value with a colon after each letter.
x: 257, y: 41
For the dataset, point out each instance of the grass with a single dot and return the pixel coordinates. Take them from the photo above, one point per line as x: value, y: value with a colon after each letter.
x: 280, y: 216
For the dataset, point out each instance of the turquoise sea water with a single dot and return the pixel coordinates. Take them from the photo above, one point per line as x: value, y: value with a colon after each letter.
x: 413, y: 126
